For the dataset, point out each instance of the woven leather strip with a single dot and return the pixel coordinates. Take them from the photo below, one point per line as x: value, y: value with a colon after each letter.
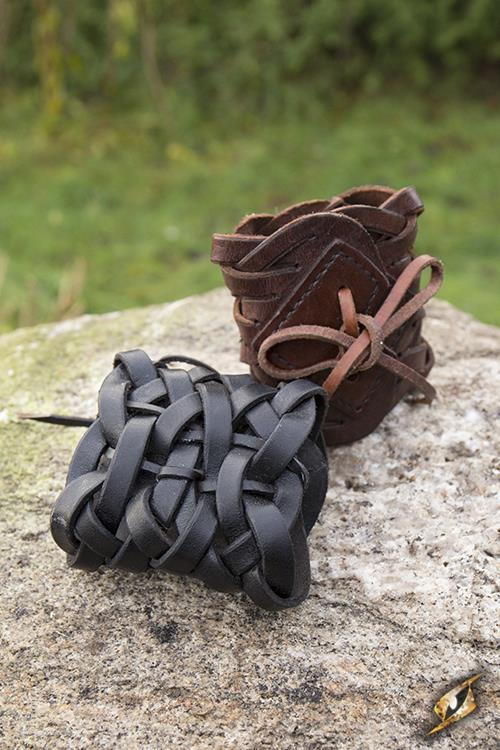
x: 215, y: 477
x: 331, y: 265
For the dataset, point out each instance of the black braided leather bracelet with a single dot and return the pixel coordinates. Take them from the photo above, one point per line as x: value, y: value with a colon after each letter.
x: 197, y: 473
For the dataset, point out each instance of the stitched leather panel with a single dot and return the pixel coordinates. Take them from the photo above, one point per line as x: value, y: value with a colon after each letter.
x: 339, y: 265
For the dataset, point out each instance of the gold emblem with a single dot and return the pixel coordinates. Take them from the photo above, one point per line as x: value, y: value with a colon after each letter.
x: 456, y: 704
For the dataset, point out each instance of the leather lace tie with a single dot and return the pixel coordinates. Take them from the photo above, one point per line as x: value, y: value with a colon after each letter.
x: 362, y: 349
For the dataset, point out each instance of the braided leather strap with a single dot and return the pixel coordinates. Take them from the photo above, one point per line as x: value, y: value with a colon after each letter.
x: 211, y: 476
x: 313, y: 287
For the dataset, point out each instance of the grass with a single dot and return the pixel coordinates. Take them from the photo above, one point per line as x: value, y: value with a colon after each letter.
x: 117, y: 210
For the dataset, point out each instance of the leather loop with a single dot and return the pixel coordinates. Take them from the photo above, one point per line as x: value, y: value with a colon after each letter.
x: 197, y: 473
x: 389, y: 318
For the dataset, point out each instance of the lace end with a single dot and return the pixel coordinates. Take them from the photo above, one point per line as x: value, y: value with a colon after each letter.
x: 58, y: 419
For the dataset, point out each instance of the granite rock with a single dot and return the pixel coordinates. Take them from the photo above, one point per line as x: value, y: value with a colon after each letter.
x: 402, y: 606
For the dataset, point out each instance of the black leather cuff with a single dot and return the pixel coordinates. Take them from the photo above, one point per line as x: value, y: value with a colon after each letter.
x: 197, y: 473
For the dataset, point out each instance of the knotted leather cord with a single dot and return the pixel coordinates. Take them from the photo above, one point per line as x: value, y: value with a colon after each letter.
x: 362, y: 350
x: 193, y: 472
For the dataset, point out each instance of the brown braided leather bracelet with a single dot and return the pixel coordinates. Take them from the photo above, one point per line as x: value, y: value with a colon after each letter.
x: 329, y: 289
x: 196, y: 473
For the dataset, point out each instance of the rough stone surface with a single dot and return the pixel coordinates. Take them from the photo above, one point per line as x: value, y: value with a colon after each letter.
x: 401, y: 608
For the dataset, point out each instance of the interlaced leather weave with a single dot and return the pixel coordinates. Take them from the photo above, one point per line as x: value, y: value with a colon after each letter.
x: 313, y: 286
x: 192, y: 472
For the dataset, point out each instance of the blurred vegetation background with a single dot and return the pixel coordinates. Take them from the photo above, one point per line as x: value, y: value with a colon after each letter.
x: 130, y: 130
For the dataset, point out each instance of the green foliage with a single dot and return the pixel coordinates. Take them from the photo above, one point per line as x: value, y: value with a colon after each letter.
x: 114, y: 211
x: 130, y: 130
x: 232, y: 61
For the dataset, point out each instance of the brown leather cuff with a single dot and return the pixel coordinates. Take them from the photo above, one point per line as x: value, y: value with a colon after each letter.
x: 329, y: 289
